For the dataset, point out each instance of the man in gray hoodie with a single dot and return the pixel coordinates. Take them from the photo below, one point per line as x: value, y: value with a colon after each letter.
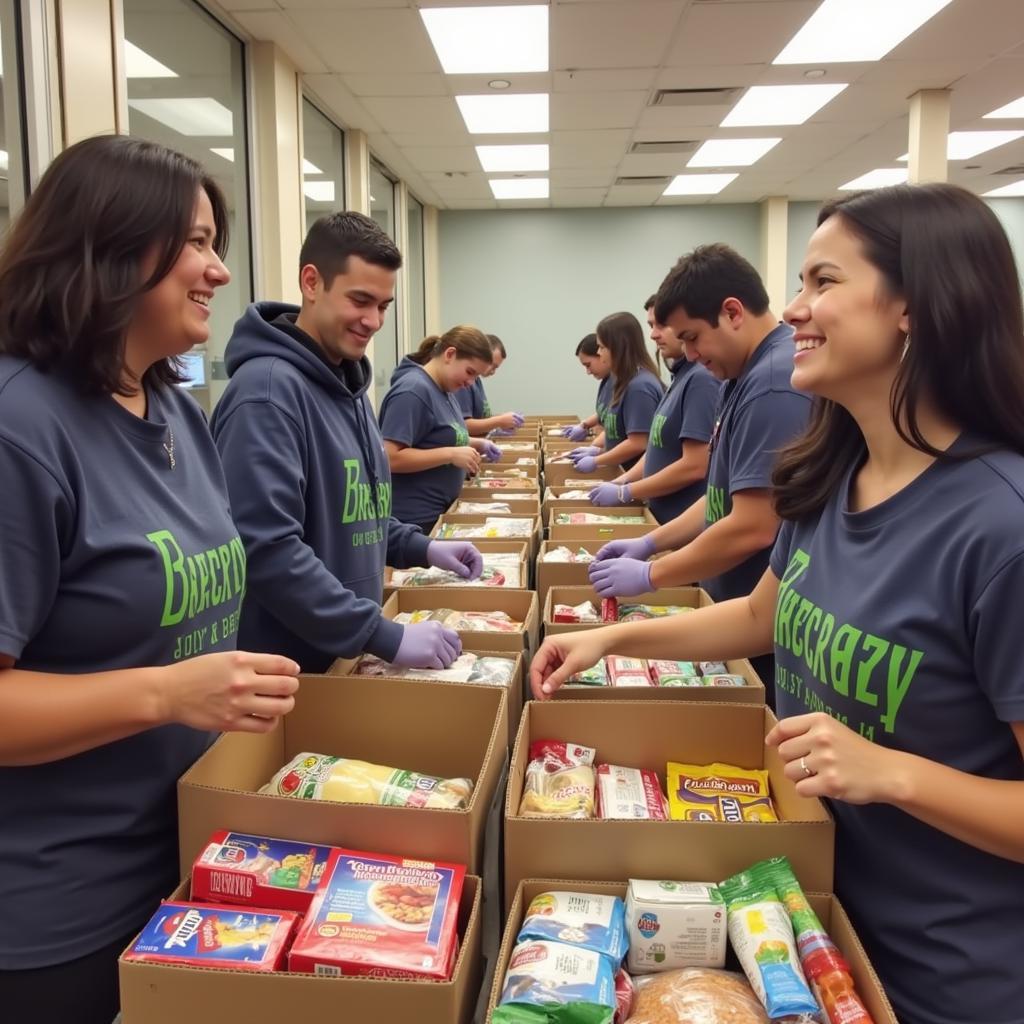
x: 308, y: 478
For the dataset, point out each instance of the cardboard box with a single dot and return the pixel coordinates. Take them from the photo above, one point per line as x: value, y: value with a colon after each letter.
x: 479, y: 520
x: 407, y: 724
x: 683, y: 597
x: 519, y: 508
x: 520, y: 548
x: 649, y: 734
x: 521, y: 605
x: 168, y: 994
x: 511, y: 485
x: 504, y: 469
x: 570, y: 533
x: 829, y: 910
x: 550, y: 506
x: 556, y: 473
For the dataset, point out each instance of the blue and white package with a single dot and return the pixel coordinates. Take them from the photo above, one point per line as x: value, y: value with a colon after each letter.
x: 588, y: 920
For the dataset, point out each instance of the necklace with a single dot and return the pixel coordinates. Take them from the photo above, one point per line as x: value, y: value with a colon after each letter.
x: 168, y: 446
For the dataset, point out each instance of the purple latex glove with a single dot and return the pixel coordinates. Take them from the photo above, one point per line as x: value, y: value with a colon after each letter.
x: 584, y: 451
x: 621, y: 577
x: 608, y: 494
x: 427, y: 645
x: 587, y: 464
x: 518, y: 419
x: 501, y: 432
x: 458, y: 556
x: 490, y: 452
x: 639, y: 547
x: 575, y: 433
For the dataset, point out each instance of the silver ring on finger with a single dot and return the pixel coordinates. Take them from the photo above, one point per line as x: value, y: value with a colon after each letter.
x: 808, y: 772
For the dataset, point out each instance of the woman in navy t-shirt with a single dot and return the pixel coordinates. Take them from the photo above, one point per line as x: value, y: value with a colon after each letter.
x: 596, y: 367
x: 122, y: 570
x: 893, y: 596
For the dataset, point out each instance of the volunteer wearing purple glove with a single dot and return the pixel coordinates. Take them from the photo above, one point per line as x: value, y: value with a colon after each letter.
x: 458, y: 556
x: 577, y: 432
x: 598, y: 368
x: 476, y: 409
x: 489, y: 451
x: 427, y: 645
x: 310, y: 484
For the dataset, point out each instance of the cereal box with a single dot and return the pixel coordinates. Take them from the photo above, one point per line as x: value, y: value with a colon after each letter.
x: 674, y: 924
x: 258, y: 871
x: 383, y: 917
x: 205, y: 935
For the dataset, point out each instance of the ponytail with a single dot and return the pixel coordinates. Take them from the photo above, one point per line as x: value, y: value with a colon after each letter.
x: 468, y: 342
x: 429, y: 347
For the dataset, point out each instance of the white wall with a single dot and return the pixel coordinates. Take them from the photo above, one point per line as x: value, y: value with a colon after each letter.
x: 541, y: 280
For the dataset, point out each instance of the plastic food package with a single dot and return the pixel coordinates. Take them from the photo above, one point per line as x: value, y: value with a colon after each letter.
x: 572, y: 495
x: 712, y: 668
x: 381, y: 916
x: 718, y: 792
x: 588, y: 920
x: 609, y: 609
x: 493, y: 671
x: 630, y: 793
x: 526, y: 460
x: 320, y: 777
x: 482, y: 507
x: 640, y: 612
x: 674, y: 673
x: 596, y: 518
x: 555, y: 983
x: 559, y: 781
x: 627, y: 671
x: 762, y: 936
x: 500, y: 569
x: 564, y: 554
x: 724, y: 680
x: 695, y: 995
x: 625, y: 992
x: 257, y: 871
x: 673, y: 925
x: 583, y: 484
x: 596, y: 675
x: 504, y: 473
x: 459, y: 671
x: 206, y: 935
x: 585, y: 612
x: 493, y: 526
x: 482, y: 622
x: 495, y: 482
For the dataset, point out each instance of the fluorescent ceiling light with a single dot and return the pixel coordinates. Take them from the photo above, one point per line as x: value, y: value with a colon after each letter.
x: 310, y: 168
x: 486, y: 40
x: 200, y: 115
x: 731, y: 152
x: 1015, y: 188
x: 964, y: 145
x: 519, y: 188
x: 698, y: 184
x: 513, y: 158
x: 878, y: 178
x: 319, y: 191
x: 849, y: 30
x: 1014, y: 109
x: 226, y: 153
x: 780, y: 104
x: 139, y: 64
x: 503, y: 115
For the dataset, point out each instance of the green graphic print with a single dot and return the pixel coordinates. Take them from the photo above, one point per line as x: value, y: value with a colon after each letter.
x: 361, y: 505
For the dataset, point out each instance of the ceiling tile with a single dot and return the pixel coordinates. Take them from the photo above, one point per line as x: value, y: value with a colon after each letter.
x: 621, y: 35
x: 443, y: 158
x: 577, y: 196
x: 392, y: 84
x: 276, y: 25
x: 410, y: 114
x: 583, y: 110
x: 590, y: 178
x: 614, y: 80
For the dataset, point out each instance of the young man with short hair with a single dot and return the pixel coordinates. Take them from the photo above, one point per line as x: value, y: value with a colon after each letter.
x: 476, y: 409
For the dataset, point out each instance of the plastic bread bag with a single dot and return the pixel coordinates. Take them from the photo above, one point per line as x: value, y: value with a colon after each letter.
x: 695, y: 995
x: 630, y: 793
x: 459, y: 671
x: 559, y: 781
x: 337, y: 779
x: 596, y: 675
x: 718, y: 792
x: 762, y: 936
x: 674, y: 673
x: 589, y: 920
x: 492, y: 671
x: 554, y: 983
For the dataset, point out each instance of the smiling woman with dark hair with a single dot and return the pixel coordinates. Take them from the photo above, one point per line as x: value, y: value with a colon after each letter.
x: 116, y: 667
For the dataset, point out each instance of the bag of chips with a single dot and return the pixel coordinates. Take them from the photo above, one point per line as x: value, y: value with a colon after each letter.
x: 559, y: 781
x: 718, y: 792
x: 588, y: 920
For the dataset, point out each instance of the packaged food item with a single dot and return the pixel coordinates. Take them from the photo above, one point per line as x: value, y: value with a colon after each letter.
x: 494, y: 481
x: 382, y: 917
x: 596, y: 675
x: 493, y: 671
x: 459, y: 671
x: 724, y: 680
x: 762, y: 936
x: 641, y: 612
x: 555, y: 983
x: 627, y: 671
x: 321, y: 777
x: 718, y: 792
x: 559, y: 781
x: 674, y: 673
x: 625, y: 992
x: 570, y: 495
x: 630, y: 793
x: 593, y: 518
x: 585, y: 612
x: 505, y: 472
x: 493, y: 526
x: 526, y: 460
x: 712, y: 668
x: 257, y: 871
x: 583, y: 483
x: 500, y: 569
x: 207, y: 935
x: 482, y: 507
x: 695, y: 995
x: 609, y: 609
x: 588, y: 920
x: 481, y: 622
x: 559, y: 554
x: 673, y: 925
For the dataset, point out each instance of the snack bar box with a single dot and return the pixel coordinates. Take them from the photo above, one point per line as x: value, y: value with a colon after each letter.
x: 649, y: 734
x: 829, y: 910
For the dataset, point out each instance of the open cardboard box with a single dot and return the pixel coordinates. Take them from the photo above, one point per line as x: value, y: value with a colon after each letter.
x: 649, y: 734
x: 506, y: 485
x: 682, y: 597
x: 551, y: 506
x: 518, y: 548
x: 521, y: 605
x: 519, y: 508
x: 556, y: 473
x: 829, y: 910
x: 570, y: 533
x: 529, y: 491
x: 171, y: 993
x: 480, y: 519
x: 406, y: 724
x: 505, y: 469
x: 565, y: 574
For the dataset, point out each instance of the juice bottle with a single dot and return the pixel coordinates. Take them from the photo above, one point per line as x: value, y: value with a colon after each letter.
x: 830, y: 981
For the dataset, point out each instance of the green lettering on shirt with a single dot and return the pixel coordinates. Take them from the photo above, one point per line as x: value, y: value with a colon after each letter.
x: 715, y: 506
x: 656, y: 428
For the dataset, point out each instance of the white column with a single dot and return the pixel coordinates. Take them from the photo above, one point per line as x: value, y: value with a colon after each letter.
x: 357, y: 172
x: 774, y: 239
x: 86, y: 41
x: 929, y: 128
x: 432, y: 270
x: 405, y: 339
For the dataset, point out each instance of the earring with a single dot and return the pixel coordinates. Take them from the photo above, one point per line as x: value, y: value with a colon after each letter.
x: 906, y: 347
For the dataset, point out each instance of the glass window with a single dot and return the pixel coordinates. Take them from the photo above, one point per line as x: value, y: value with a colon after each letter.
x: 323, y: 164
x: 414, y: 258
x: 186, y: 89
x: 12, y: 151
x: 385, y: 344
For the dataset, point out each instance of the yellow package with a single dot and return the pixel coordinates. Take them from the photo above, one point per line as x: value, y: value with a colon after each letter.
x: 718, y: 792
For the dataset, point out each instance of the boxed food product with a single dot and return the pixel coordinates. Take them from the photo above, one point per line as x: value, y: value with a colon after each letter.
x: 382, y: 917
x: 559, y: 781
x: 718, y: 792
x: 207, y: 935
x: 623, y: 671
x: 712, y: 668
x: 630, y: 793
x: 674, y: 924
x: 724, y: 680
x: 609, y: 609
x: 589, y: 920
x: 695, y: 995
x: 257, y: 871
x: 322, y: 777
x: 674, y: 673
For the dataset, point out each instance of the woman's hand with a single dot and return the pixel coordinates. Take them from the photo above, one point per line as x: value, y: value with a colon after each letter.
x: 562, y: 656
x: 467, y: 459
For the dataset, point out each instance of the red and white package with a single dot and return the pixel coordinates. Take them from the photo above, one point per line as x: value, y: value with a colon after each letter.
x: 610, y: 609
x: 584, y: 612
x: 559, y: 781
x: 625, y: 993
x: 630, y: 793
x: 627, y: 671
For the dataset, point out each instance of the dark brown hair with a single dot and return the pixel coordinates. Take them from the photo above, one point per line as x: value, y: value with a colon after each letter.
x: 588, y: 346
x: 702, y: 280
x: 944, y: 252
x: 623, y: 336
x: 71, y: 268
x: 468, y: 342
x: 335, y: 237
x: 497, y: 345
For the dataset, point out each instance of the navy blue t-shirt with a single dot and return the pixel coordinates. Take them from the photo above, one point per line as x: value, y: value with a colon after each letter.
x: 758, y: 413
x: 634, y: 413
x: 473, y: 401
x: 604, y: 398
x: 111, y: 560
x: 902, y: 621
x: 418, y: 414
x: 686, y: 413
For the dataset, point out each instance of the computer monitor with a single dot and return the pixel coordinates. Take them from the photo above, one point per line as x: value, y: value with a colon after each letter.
x: 193, y: 366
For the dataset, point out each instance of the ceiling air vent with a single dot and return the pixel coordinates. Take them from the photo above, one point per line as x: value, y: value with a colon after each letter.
x: 661, y: 148
x: 1015, y: 170
x: 695, y: 97
x: 643, y: 179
